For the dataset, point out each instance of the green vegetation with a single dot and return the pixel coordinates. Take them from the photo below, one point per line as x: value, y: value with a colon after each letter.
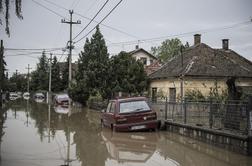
x: 214, y: 94
x: 17, y: 82
x: 99, y: 75
x: 39, y: 77
x: 56, y: 80
x: 194, y: 95
x: 127, y: 74
x: 168, y: 49
x: 18, y: 4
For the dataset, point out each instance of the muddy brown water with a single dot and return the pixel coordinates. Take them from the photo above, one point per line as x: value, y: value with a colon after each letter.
x: 33, y: 134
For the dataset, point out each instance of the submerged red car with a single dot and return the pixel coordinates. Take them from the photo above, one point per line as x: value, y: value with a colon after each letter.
x: 129, y: 114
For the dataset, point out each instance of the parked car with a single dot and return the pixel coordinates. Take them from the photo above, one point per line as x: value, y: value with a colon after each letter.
x: 26, y: 95
x: 129, y: 114
x: 61, y: 99
x: 39, y: 96
x: 13, y: 96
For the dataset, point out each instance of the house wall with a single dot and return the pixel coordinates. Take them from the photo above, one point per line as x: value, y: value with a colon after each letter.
x: 203, y: 85
x: 140, y: 54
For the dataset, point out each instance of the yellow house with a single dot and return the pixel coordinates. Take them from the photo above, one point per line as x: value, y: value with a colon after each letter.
x: 201, y: 68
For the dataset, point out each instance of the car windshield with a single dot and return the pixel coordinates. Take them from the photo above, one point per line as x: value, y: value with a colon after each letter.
x: 133, y: 106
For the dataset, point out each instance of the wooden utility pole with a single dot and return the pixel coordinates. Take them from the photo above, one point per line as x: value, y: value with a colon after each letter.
x: 70, y: 47
x: 28, y: 78
x: 50, y: 79
x: 1, y: 72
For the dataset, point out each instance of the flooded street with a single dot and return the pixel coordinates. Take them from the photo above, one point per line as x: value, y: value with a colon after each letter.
x: 34, y: 135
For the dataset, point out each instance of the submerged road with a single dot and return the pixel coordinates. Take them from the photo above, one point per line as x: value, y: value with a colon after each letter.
x: 33, y: 134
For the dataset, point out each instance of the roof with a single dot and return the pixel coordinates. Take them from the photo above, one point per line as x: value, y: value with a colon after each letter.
x: 152, y: 67
x: 143, y: 50
x: 126, y: 99
x: 203, y: 61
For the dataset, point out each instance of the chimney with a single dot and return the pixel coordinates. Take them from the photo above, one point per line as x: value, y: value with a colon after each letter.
x: 225, y: 44
x: 197, y: 39
x: 137, y: 47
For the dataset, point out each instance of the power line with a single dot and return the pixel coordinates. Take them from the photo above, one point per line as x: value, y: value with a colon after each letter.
x: 100, y: 21
x: 34, y: 49
x: 48, y: 9
x: 91, y: 19
x: 87, y: 18
x: 74, y: 4
x: 181, y: 34
x: 91, y: 6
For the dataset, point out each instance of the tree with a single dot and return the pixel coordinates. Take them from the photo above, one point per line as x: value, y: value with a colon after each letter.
x: 17, y: 82
x: 168, y: 49
x: 18, y: 4
x: 127, y: 74
x: 2, y: 69
x: 56, y: 80
x: 39, y: 77
x: 92, y: 69
x: 65, y: 75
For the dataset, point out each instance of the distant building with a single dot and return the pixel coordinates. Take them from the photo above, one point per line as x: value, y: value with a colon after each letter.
x: 149, y: 61
x: 201, y: 68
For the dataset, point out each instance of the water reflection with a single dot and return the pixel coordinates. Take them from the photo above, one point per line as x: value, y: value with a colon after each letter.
x: 130, y: 147
x: 38, y: 134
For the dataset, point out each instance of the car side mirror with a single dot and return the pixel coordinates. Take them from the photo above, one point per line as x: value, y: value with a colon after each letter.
x: 103, y: 110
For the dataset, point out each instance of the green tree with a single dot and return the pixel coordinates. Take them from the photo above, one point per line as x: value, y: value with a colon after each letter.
x: 168, y: 49
x: 2, y: 75
x: 18, y: 4
x: 127, y: 74
x: 39, y: 77
x: 17, y: 82
x: 56, y: 80
x: 65, y: 75
x: 92, y: 69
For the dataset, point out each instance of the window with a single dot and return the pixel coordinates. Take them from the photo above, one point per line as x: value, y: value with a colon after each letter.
x: 143, y: 60
x: 151, y: 61
x: 134, y: 106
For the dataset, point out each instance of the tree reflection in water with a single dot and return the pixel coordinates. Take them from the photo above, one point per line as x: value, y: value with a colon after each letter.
x: 75, y: 137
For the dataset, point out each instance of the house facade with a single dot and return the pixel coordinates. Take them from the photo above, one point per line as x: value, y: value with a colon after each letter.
x: 203, y: 69
x: 149, y: 61
x: 144, y: 56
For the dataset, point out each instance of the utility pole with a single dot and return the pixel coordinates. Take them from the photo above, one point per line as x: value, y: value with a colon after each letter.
x: 70, y: 47
x: 1, y: 72
x: 182, y: 75
x: 50, y: 79
x: 28, y: 78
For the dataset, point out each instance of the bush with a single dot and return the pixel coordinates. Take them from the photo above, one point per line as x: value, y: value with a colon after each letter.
x: 194, y: 95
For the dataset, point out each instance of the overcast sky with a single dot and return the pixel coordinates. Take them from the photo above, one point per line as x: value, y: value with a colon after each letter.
x: 138, y: 19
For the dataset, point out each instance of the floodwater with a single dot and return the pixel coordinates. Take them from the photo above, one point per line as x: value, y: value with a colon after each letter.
x: 33, y: 134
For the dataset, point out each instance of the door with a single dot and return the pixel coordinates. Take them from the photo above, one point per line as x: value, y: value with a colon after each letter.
x: 154, y: 94
x: 172, y: 94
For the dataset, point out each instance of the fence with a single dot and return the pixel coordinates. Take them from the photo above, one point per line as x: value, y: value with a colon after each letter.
x: 231, y: 116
